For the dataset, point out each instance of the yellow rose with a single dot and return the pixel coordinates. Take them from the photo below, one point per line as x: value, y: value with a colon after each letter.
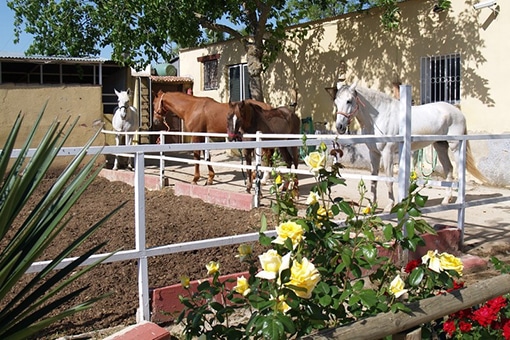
x: 212, y: 267
x: 185, y: 281
x: 242, y: 286
x: 322, y: 213
x: 397, y: 287
x: 278, y: 180
x: 290, y: 230
x: 303, y: 275
x: 312, y: 198
x: 414, y: 176
x: 432, y: 260
x: 244, y: 250
x: 450, y: 262
x: 281, y: 305
x: 315, y: 161
x: 270, y: 262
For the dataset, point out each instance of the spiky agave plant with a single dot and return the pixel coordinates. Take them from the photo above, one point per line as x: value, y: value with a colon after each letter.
x: 33, y: 307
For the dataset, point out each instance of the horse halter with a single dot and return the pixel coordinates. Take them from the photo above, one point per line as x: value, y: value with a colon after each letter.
x: 234, y: 135
x: 160, y: 111
x: 351, y: 115
x: 125, y: 107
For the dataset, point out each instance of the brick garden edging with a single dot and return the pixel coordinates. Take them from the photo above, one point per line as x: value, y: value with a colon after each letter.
x: 230, y: 199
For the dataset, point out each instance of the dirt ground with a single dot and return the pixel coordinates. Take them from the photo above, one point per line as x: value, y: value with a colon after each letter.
x: 169, y: 219
x: 173, y: 219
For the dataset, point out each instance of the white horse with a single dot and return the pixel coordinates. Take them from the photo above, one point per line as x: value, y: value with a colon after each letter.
x: 125, y: 119
x: 377, y: 114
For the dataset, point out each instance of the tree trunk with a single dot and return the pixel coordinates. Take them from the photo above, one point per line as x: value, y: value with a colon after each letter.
x: 254, y: 60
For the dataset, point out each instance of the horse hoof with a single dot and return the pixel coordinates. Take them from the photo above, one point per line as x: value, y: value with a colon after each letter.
x: 446, y: 200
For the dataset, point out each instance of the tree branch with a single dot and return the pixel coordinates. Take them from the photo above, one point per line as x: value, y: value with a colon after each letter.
x: 217, y: 27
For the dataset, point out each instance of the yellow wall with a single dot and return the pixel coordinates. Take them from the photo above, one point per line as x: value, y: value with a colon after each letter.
x: 63, y: 101
x: 376, y: 58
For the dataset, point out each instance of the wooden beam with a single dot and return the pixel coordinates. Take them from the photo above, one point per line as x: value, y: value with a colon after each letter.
x: 423, y: 311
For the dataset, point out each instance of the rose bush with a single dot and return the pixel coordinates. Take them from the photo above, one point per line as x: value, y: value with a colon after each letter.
x: 490, y: 320
x: 337, y: 263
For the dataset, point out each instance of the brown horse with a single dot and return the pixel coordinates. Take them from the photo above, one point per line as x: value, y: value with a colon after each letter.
x: 244, y: 117
x: 200, y: 114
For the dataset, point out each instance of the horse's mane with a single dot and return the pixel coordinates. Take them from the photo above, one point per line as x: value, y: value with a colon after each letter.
x: 375, y: 95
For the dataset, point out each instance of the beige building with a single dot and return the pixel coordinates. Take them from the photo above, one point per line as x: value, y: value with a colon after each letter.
x: 70, y: 87
x: 455, y: 55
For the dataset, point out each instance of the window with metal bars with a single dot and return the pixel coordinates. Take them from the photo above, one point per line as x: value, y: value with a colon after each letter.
x: 441, y: 79
x: 211, y: 75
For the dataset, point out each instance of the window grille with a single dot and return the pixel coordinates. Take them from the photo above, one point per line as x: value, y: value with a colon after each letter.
x: 440, y: 79
x: 211, y: 74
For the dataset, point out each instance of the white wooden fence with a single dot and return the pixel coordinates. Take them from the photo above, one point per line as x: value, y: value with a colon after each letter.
x: 140, y: 152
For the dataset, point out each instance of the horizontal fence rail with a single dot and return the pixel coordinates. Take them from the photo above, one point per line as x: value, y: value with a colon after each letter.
x: 141, y: 152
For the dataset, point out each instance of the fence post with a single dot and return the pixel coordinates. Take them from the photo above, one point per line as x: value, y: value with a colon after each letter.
x: 404, y: 164
x: 207, y: 156
x: 461, y: 193
x: 258, y: 162
x: 143, y: 272
x: 161, y: 161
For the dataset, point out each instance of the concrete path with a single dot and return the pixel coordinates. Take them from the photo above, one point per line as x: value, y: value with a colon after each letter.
x: 485, y: 223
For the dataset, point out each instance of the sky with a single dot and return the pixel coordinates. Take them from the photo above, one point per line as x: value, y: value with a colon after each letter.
x: 7, y: 29
x: 7, y: 33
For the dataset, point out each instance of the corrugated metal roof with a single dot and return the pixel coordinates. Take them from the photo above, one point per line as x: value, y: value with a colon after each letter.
x: 170, y: 79
x: 46, y: 59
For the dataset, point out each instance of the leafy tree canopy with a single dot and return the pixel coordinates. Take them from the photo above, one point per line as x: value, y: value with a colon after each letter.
x: 141, y: 31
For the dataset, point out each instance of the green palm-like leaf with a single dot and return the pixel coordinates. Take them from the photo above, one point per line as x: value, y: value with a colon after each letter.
x: 27, y: 312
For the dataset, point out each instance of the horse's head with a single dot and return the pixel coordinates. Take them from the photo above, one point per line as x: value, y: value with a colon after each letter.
x: 235, y: 120
x: 160, y: 111
x: 123, y: 99
x: 346, y: 104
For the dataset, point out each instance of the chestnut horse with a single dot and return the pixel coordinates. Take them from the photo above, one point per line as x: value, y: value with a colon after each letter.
x: 245, y: 117
x: 200, y: 114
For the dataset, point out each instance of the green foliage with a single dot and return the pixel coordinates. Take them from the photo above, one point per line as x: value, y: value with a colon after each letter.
x: 140, y: 32
x: 320, y: 272
x: 29, y: 309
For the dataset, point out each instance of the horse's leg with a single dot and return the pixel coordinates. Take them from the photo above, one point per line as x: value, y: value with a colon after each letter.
x: 295, y: 156
x: 267, y: 155
x: 129, y: 141
x: 196, y: 157
x: 116, y: 161
x: 387, y: 158
x: 290, y: 157
x: 196, y: 176
x: 210, y: 177
x: 442, y: 154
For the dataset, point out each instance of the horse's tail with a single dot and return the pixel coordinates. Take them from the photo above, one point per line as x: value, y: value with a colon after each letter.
x: 471, y: 165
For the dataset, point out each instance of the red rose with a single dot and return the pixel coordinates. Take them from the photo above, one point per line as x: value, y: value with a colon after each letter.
x: 449, y: 327
x: 506, y: 330
x: 497, y: 303
x: 411, y: 265
x: 484, y: 316
x: 456, y: 285
x: 465, y: 326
